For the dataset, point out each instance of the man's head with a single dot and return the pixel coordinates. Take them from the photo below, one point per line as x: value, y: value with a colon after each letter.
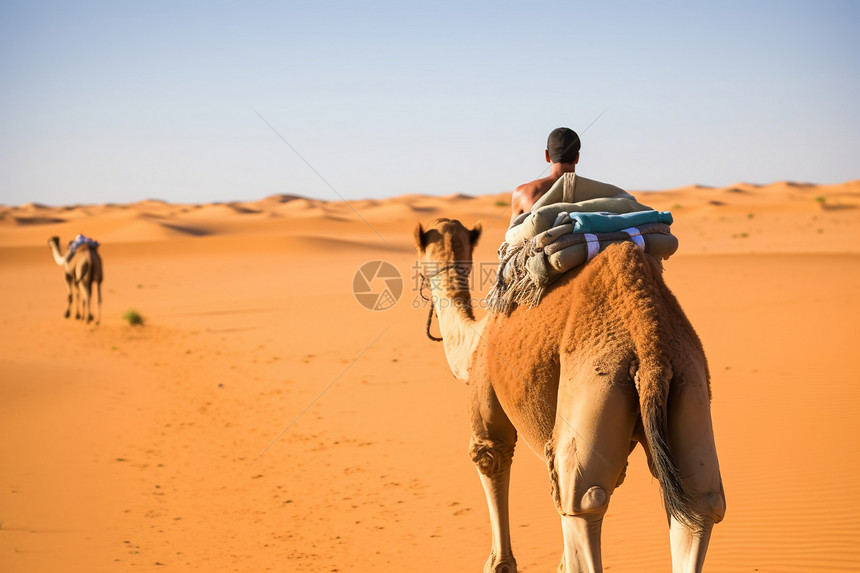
x: 562, y: 146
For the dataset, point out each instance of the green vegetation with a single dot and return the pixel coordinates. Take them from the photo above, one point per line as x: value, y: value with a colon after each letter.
x: 133, y: 317
x: 501, y: 203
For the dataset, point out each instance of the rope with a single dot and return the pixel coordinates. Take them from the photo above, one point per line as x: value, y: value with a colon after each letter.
x: 462, y: 281
x: 429, y: 321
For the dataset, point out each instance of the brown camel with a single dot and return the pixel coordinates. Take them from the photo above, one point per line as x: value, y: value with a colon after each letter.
x: 82, y: 268
x: 606, y: 360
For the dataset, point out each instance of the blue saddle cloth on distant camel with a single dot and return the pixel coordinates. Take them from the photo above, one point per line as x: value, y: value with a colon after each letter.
x: 81, y: 240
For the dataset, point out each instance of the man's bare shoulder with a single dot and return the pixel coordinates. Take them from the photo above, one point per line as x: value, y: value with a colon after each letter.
x: 534, y: 190
x: 527, y: 194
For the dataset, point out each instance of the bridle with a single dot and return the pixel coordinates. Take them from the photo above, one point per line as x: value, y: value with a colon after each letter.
x: 424, y: 281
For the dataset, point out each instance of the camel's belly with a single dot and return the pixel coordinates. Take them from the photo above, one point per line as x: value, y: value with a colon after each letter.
x: 523, y: 368
x: 529, y: 402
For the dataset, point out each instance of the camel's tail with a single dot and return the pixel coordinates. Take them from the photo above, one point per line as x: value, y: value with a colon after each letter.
x: 653, y: 380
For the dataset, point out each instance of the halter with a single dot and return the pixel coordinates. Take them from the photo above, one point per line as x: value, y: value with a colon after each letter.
x: 424, y: 280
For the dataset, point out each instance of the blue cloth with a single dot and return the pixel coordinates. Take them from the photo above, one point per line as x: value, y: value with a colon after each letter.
x: 81, y: 240
x: 604, y: 222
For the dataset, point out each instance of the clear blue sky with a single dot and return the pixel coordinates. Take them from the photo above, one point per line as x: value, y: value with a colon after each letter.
x: 121, y: 101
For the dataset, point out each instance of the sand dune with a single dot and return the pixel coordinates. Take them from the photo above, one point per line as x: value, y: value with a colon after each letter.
x: 263, y: 420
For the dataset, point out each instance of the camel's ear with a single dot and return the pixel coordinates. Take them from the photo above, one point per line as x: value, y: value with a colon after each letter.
x: 475, y: 234
x: 420, y: 238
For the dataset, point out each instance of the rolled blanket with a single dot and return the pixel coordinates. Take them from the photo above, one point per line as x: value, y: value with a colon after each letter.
x: 612, y: 222
x: 544, y: 217
x: 575, y: 249
x: 642, y: 232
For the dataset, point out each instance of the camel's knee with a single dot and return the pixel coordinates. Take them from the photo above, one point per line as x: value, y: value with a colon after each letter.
x: 492, y: 457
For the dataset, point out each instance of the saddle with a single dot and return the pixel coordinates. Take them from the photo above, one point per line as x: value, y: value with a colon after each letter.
x: 573, y: 222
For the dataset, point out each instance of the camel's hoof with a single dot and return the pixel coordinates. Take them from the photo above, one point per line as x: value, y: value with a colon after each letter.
x: 67, y: 314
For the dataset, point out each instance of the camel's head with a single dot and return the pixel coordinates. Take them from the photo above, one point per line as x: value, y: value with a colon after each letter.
x: 54, y: 241
x: 446, y: 241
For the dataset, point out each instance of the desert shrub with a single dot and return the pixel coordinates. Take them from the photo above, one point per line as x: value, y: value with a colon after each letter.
x: 133, y: 317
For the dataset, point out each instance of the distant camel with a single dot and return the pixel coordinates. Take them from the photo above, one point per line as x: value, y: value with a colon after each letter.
x: 83, y: 267
x: 605, y: 361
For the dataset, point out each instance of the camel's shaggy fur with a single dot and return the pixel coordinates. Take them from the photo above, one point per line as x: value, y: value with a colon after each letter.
x: 607, y: 360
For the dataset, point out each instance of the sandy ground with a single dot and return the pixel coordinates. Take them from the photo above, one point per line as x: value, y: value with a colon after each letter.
x: 263, y: 420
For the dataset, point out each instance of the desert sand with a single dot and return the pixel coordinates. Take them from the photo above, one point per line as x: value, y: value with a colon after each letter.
x: 263, y: 420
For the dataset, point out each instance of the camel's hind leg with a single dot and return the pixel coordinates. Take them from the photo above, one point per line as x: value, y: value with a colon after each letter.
x: 99, y: 291
x: 84, y: 281
x: 691, y: 439
x: 491, y: 449
x: 79, y: 296
x: 587, y: 456
x: 85, y: 288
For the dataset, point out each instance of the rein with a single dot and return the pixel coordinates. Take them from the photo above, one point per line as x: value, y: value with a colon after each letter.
x: 424, y: 281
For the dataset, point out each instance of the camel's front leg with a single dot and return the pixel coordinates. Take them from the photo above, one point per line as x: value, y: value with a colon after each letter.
x: 79, y: 298
x: 68, y: 295
x: 492, y: 449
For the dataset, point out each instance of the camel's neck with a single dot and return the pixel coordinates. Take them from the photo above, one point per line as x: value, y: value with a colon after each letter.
x: 59, y: 258
x: 461, y: 333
